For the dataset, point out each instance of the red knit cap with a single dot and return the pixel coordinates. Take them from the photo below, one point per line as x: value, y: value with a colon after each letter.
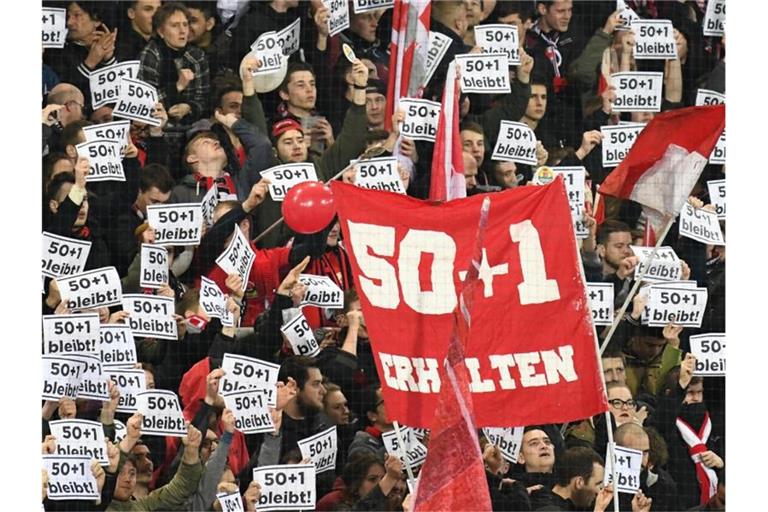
x: 283, y: 126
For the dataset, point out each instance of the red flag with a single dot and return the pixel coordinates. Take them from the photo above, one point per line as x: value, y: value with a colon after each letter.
x: 447, y: 178
x: 531, y: 346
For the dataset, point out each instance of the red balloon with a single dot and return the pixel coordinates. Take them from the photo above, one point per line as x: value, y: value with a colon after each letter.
x: 308, y: 207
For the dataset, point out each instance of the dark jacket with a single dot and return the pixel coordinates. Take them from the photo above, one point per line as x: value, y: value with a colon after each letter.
x: 129, y: 44
x: 259, y: 19
x: 69, y: 64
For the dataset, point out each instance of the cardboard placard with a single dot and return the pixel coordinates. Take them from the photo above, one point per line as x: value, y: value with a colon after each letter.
x: 70, y: 478
x: 617, y: 141
x: 154, y: 266
x: 290, y: 37
x: 516, y: 143
x: 499, y: 38
x: 714, y: 19
x: 484, y: 73
x: 269, y: 51
x: 251, y: 411
x: 232, y: 502
x: 359, y: 6
x: 683, y: 304
x: 509, y: 440
x: 61, y: 377
x: 54, y: 23
x: 665, y: 266
x: 162, y: 413
x: 338, y: 18
x: 421, y: 117
x: 93, y: 382
x: 709, y: 350
x: 104, y: 160
x: 286, y: 487
x: 717, y: 196
x: 574, y: 186
x: 300, y: 336
x: 709, y: 97
x: 249, y: 373
x: 438, y: 46
x: 83, y: 438
x: 627, y: 16
x: 379, y: 174
x: 116, y: 131
x: 71, y: 334
x: 63, y: 256
x: 117, y: 346
x: 106, y: 82
x: 214, y: 302
x: 137, y: 102
x: 718, y: 154
x: 321, y: 448
x: 208, y: 204
x: 91, y: 289
x: 415, y: 451
x: 176, y: 224
x: 601, y: 302
x: 284, y: 177
x: 321, y: 292
x: 700, y: 225
x: 238, y: 257
x: 151, y: 316
x: 654, y: 39
x: 628, y: 466
x: 130, y: 383
x: 637, y: 91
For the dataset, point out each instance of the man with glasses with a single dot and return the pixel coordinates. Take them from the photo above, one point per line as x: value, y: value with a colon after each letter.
x: 369, y: 440
x: 65, y: 105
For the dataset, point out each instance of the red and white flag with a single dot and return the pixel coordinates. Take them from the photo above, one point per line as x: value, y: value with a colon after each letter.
x: 666, y: 161
x: 447, y: 178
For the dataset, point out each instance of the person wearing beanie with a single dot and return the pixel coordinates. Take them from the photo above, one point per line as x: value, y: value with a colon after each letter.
x: 375, y: 103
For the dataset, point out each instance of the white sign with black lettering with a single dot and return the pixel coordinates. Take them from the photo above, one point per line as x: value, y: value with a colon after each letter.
x: 129, y: 383
x: 484, y: 73
x: 665, y: 266
x: 627, y: 16
x: 269, y: 51
x: 574, y: 186
x: 286, y: 487
x: 116, y: 131
x: 338, y: 18
x: 717, y: 196
x: 628, y: 466
x: 300, y: 336
x: 61, y: 377
x: 208, y: 204
x: 421, y: 118
x: 106, y: 82
x: 415, y: 451
x: 718, y: 154
x: 70, y: 478
x: 360, y: 6
x: 232, y: 502
x: 321, y: 292
x: 151, y: 316
x: 637, y: 91
x: 54, y: 27
x: 683, y: 306
x: 162, y: 413
x: 154, y: 266
x: 104, y: 160
x: 243, y: 372
x: 63, y: 256
x: 176, y: 224
x: 251, y: 411
x: 499, y: 38
x: 321, y: 448
x: 284, y: 177
x: 700, y: 225
x: 214, y: 302
x: 120, y: 430
x: 516, y: 143
x: 601, y: 302
x: 438, y: 46
x: 654, y: 39
x: 237, y: 257
x: 708, y: 97
x: 71, y: 334
x: 709, y: 350
x: 507, y: 439
x: 290, y: 38
x: 117, y: 346
x: 93, y: 382
x: 83, y: 438
x: 617, y: 141
x: 379, y: 174
x: 137, y: 102
x: 91, y: 289
x: 714, y: 18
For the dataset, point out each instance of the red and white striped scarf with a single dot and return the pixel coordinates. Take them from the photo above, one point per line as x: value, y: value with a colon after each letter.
x: 697, y: 444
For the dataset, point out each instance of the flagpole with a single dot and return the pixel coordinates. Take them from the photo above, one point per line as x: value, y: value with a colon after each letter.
x: 403, y: 456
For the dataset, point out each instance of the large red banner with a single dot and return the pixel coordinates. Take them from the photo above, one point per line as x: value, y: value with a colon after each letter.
x: 530, y: 351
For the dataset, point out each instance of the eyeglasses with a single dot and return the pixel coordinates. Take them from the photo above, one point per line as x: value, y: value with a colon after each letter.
x: 379, y: 403
x: 617, y: 403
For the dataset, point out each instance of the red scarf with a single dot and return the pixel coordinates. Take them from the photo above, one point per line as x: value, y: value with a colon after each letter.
x: 697, y: 444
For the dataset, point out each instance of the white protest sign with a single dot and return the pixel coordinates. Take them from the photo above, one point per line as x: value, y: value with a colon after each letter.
x: 151, y: 316
x: 379, y: 174
x: 371, y: 5
x: 718, y: 154
x: 154, y: 266
x: 208, y: 204
x: 63, y: 256
x: 93, y: 383
x: 499, y: 38
x: 321, y: 448
x: 714, y: 18
x: 507, y: 439
x: 137, y: 102
x: 176, y: 224
x: 61, y: 377
x: 251, y: 411
x: 269, y: 51
x: 162, y: 413
x: 637, y: 91
x: 683, y: 306
x: 717, y: 196
x: 54, y: 27
x: 284, y: 177
x: 120, y: 430
x: 214, y: 302
x: 71, y: 334
x: 130, y: 383
x: 708, y: 97
x: 700, y: 225
x: 709, y: 350
x: 286, y: 487
x: 232, y: 502
x: 665, y: 266
x: 654, y: 39
x: 321, y: 292
x: 645, y: 292
x: 338, y: 18
x: 237, y: 257
x: 617, y: 141
x: 70, y: 478
x: 105, y: 83
x: 117, y: 346
x: 91, y: 289
x: 415, y: 451
x: 601, y: 302
x: 104, y: 160
x: 628, y: 466
x: 83, y: 438
x: 516, y: 143
x: 438, y: 46
x: 300, y: 336
x: 574, y: 186
x: 421, y: 118
x: 484, y: 73
x: 116, y: 131
x: 290, y: 37
x: 243, y: 372
x: 626, y: 16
